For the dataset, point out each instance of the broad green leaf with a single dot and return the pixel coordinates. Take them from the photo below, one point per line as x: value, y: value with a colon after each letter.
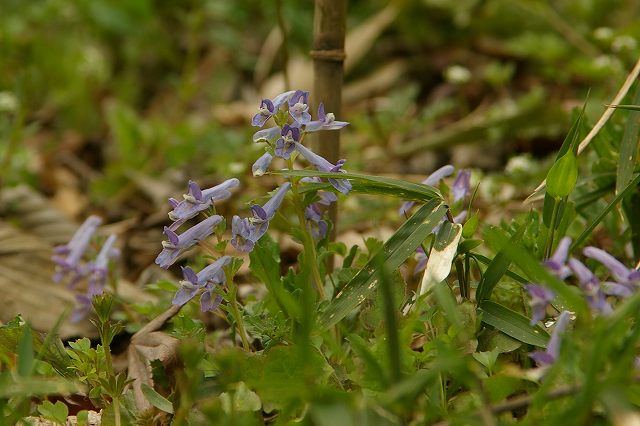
x: 631, y: 186
x: 375, y: 184
x: 57, y: 412
x: 497, y: 268
x: 562, y: 176
x: 513, y: 324
x: 243, y: 400
x: 394, y: 252
x: 157, y: 400
x: 628, y: 147
x: 25, y: 352
x: 441, y: 256
x: 567, y: 297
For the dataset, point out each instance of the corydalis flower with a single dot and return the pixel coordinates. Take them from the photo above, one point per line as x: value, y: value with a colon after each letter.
x: 325, y: 121
x: 626, y: 279
x: 550, y: 355
x: 432, y: 180
x: 299, y: 107
x: 269, y: 107
x: 421, y: 260
x: 326, y: 197
x: 267, y: 135
x: 313, y: 214
x: 323, y: 165
x: 99, y: 268
x: 68, y: 256
x: 461, y: 185
x: 206, y: 280
x: 177, y: 244
x: 243, y: 234
x: 590, y: 285
x: 290, y: 135
x: 262, y: 164
x: 557, y: 262
x: 540, y: 299
x: 263, y: 214
x: 197, y: 200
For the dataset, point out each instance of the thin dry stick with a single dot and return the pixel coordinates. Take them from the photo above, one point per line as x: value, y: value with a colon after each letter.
x: 329, y: 29
x: 633, y: 76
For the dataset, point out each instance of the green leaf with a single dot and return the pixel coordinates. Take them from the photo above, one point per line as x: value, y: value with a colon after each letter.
x: 631, y: 186
x: 394, y: 252
x: 628, y: 147
x: 468, y: 245
x: 513, y: 324
x: 486, y: 261
x: 243, y: 399
x: 157, y: 400
x: 57, y: 412
x: 25, y: 352
x: 563, y: 176
x: 369, y: 184
x: 497, y: 268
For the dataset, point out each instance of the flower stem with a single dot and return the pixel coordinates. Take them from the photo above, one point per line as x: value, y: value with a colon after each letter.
x: 233, y: 301
x: 308, y: 243
x: 552, y: 227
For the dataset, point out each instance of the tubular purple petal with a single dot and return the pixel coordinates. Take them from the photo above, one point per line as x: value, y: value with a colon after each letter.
x: 619, y: 271
x: 262, y: 164
x: 188, y: 238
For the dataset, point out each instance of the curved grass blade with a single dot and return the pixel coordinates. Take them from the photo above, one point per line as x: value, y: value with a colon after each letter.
x: 513, y: 324
x: 394, y: 252
x: 628, y: 147
x: 630, y: 187
x: 486, y: 261
x: 374, y: 184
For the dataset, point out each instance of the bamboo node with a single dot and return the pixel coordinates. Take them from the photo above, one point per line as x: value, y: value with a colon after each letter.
x: 336, y: 55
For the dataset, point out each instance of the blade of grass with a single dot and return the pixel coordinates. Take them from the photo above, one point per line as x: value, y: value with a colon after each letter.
x: 628, y: 147
x: 513, y: 324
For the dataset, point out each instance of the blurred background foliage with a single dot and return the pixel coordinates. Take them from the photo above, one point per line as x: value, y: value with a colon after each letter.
x: 100, y: 95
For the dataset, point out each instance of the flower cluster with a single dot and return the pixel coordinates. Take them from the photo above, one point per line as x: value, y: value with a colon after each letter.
x: 595, y: 292
x: 75, y: 263
x: 290, y: 111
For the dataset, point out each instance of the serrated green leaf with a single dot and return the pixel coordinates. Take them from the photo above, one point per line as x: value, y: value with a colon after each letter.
x: 157, y: 400
x: 395, y: 251
x: 513, y: 324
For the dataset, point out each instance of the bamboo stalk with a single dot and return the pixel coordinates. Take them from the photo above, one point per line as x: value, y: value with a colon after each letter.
x: 329, y: 28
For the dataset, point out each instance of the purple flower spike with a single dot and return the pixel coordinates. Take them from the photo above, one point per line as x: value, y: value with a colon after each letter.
x: 540, y: 299
x: 197, y: 200
x: 590, y: 285
x: 299, y: 107
x: 206, y: 279
x: 621, y: 273
x: 432, y: 180
x: 548, y: 357
x: 177, y: 244
x: 461, y: 185
x: 262, y: 164
x: 99, y: 268
x: 323, y: 165
x: 68, y: 256
x: 267, y: 135
x: 557, y: 262
x: 324, y: 122
x: 290, y: 135
x: 268, y: 108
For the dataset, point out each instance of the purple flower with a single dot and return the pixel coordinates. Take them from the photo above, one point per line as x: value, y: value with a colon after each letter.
x: 290, y: 135
x: 323, y: 165
x: 557, y: 262
x: 324, y: 121
x: 549, y: 356
x: 590, y: 285
x: 99, y: 268
x: 206, y: 279
x: 177, y: 244
x: 326, y: 197
x: 313, y: 214
x: 263, y: 214
x: 83, y: 307
x: 268, y: 108
x: 540, y: 299
x: 461, y: 185
x: 197, y: 200
x: 299, y: 107
x: 262, y: 164
x: 267, y: 135
x: 421, y: 258
x: 432, y: 180
x: 243, y: 234
x: 623, y: 275
x: 68, y: 256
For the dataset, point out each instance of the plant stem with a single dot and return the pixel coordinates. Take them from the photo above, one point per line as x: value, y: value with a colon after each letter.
x: 116, y: 411
x: 460, y: 271
x: 552, y: 228
x: 310, y: 254
x: 233, y: 290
